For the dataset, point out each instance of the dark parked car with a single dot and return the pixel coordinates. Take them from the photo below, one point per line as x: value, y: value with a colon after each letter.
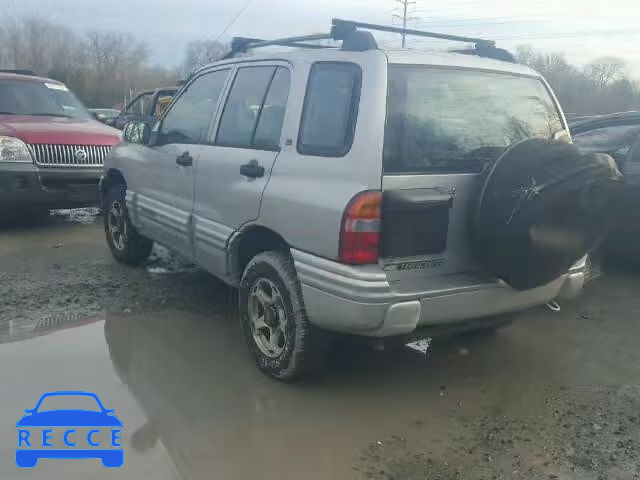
x: 614, y: 134
x: 146, y: 107
x: 618, y: 135
x: 104, y: 114
x: 51, y: 148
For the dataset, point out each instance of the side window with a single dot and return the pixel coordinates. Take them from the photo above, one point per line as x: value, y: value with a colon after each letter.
x: 188, y: 119
x: 244, y: 104
x: 330, y: 109
x: 139, y: 105
x: 271, y: 117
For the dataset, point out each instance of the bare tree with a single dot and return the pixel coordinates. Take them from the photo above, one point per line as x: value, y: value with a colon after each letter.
x: 202, y: 52
x: 599, y: 87
x: 101, y: 67
x: 110, y: 53
x: 605, y: 71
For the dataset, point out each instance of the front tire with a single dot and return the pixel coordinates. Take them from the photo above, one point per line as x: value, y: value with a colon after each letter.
x: 125, y: 243
x: 274, y: 322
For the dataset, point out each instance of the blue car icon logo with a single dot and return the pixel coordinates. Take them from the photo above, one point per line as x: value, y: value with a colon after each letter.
x: 36, y: 439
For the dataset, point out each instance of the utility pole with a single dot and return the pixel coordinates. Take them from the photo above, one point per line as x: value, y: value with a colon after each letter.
x: 404, y: 4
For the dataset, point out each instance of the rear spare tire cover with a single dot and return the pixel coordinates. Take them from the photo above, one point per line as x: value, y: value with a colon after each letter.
x: 542, y: 206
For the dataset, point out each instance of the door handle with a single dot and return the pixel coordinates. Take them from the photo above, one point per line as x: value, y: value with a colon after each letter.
x: 184, y: 159
x: 252, y: 169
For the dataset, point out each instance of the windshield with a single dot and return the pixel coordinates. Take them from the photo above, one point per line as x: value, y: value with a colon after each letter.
x: 39, y: 98
x: 457, y: 120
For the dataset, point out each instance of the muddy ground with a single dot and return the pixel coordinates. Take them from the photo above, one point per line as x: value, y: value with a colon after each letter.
x: 553, y: 396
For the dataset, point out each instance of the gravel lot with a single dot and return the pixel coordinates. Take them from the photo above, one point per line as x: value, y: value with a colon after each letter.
x: 554, y: 396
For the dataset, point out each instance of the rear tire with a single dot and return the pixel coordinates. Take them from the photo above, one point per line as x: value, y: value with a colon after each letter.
x: 282, y: 341
x: 125, y: 243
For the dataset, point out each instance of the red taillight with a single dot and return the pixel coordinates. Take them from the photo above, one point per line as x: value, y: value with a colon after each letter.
x: 360, y: 231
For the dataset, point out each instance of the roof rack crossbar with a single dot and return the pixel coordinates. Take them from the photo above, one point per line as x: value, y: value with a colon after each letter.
x: 343, y: 27
x: 291, y: 40
x: 242, y: 44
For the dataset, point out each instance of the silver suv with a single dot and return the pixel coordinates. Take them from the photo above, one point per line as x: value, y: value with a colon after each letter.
x: 332, y: 186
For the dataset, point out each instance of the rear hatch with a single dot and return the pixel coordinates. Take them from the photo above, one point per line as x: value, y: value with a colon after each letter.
x: 444, y: 125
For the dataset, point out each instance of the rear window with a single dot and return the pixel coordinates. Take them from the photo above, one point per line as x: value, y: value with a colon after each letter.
x: 455, y: 120
x: 37, y: 98
x: 330, y: 109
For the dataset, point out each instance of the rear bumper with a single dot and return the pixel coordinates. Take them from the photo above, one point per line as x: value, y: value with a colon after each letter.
x: 360, y: 300
x: 23, y: 185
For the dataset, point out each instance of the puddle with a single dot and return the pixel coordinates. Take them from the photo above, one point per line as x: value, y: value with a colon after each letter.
x: 163, y: 261
x: 18, y: 330
x: 78, y: 215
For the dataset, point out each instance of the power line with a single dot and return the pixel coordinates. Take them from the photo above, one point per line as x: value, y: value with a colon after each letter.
x: 233, y: 20
x: 405, y: 5
x: 584, y: 33
x: 512, y: 19
x: 478, y: 5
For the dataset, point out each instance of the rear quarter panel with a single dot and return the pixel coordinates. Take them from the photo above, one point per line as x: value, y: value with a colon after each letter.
x: 306, y: 195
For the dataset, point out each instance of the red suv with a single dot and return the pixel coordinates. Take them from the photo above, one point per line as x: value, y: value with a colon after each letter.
x: 51, y: 148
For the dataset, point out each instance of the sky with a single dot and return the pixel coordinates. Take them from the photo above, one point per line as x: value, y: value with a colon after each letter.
x: 584, y: 30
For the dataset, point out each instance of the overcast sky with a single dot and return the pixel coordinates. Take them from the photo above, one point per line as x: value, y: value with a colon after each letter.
x: 583, y: 29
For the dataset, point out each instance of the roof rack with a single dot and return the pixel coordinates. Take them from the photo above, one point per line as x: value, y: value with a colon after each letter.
x: 17, y: 71
x: 341, y: 28
x: 356, y: 37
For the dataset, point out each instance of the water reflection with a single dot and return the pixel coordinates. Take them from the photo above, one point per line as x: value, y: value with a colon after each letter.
x: 16, y: 330
x: 219, y: 417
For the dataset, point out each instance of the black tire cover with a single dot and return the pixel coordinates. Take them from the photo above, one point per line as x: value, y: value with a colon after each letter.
x: 542, y: 206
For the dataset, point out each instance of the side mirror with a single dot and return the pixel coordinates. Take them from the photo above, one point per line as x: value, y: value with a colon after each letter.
x: 137, y: 132
x: 28, y: 410
x: 562, y: 136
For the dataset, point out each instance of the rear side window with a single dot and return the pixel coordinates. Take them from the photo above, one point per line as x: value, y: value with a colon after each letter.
x: 271, y: 117
x: 458, y: 120
x: 243, y: 106
x: 330, y: 109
